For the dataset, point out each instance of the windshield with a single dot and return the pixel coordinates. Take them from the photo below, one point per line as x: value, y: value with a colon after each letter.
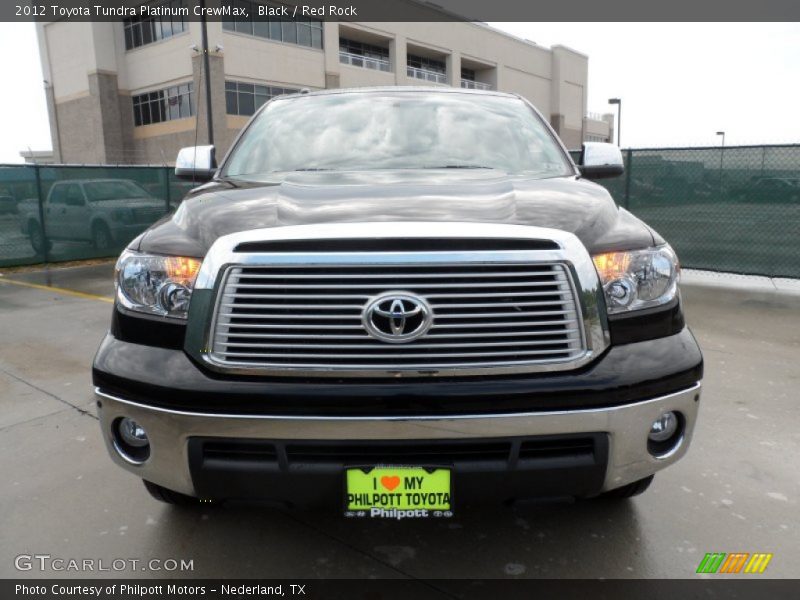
x: 396, y: 130
x: 97, y: 191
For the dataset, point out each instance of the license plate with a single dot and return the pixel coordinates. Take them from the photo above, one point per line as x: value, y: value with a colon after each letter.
x: 398, y: 492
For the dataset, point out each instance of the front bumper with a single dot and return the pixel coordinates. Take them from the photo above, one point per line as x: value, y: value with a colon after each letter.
x: 168, y: 378
x: 172, y: 433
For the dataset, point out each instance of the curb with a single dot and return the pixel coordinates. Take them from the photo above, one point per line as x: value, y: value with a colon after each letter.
x: 745, y: 283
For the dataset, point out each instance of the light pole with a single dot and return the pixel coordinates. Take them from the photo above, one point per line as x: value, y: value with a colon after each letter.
x: 618, y: 102
x: 721, y: 156
x: 207, y: 73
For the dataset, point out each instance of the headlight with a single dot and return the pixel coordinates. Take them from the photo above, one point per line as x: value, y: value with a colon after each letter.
x: 157, y: 285
x: 124, y: 215
x: 639, y: 278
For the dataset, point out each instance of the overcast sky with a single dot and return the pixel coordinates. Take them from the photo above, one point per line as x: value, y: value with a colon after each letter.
x: 680, y: 83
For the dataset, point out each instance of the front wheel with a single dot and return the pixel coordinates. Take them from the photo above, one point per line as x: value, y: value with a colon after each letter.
x: 168, y: 496
x: 630, y: 490
x: 39, y: 242
x: 101, y: 237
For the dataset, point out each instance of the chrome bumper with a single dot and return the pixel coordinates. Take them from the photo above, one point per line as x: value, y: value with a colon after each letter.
x: 627, y: 427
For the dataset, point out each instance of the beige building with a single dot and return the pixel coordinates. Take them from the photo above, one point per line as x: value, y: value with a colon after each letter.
x: 132, y: 91
x: 38, y: 157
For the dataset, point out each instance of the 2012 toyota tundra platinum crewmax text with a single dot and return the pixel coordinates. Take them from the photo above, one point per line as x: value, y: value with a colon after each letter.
x: 397, y: 302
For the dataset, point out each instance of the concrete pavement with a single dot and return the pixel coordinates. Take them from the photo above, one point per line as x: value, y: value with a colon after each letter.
x: 736, y: 491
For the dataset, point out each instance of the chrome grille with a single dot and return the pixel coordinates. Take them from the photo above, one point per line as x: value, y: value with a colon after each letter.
x: 295, y: 317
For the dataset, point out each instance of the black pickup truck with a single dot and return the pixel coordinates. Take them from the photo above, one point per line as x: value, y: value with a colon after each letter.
x: 397, y: 302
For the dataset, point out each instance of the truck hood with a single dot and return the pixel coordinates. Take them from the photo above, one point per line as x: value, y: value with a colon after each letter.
x: 567, y: 203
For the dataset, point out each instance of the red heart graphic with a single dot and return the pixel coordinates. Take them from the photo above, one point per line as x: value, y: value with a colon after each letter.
x: 390, y: 482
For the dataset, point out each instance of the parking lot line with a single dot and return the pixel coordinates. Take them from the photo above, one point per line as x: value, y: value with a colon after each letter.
x: 58, y: 290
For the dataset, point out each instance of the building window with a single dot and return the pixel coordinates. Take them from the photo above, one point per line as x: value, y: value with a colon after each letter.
x: 176, y: 102
x: 246, y: 98
x: 363, y: 55
x: 468, y: 80
x: 429, y: 69
x: 140, y: 31
x: 303, y: 32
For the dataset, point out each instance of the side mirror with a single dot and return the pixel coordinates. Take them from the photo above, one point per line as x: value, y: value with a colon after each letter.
x: 196, y: 163
x: 600, y: 161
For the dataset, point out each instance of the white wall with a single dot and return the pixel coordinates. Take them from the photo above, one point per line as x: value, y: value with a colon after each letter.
x: 70, y: 56
x: 155, y: 65
x: 273, y: 62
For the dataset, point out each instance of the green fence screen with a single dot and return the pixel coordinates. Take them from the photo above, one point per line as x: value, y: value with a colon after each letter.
x: 734, y: 209
x: 54, y: 213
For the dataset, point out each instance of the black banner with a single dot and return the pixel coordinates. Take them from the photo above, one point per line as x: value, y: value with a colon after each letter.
x: 745, y: 588
x: 404, y: 10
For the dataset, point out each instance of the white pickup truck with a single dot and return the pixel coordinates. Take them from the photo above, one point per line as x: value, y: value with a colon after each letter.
x: 104, y: 212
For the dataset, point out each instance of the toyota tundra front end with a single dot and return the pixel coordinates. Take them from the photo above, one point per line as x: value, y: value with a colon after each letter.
x: 397, y: 302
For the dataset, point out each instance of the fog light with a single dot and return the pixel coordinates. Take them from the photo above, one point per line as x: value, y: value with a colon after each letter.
x: 132, y: 433
x: 130, y: 440
x: 664, y: 427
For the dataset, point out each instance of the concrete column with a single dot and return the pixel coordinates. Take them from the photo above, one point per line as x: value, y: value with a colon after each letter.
x: 55, y: 136
x: 453, y: 65
x: 495, y: 78
x: 330, y: 42
x: 104, y: 92
x: 569, y: 75
x: 556, y: 117
x: 398, y: 54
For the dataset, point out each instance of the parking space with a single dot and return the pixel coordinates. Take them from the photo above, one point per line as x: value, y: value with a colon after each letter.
x: 736, y: 491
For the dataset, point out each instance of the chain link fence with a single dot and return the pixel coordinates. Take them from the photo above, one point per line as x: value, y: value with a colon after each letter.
x: 734, y: 209
x: 723, y: 209
x: 54, y: 213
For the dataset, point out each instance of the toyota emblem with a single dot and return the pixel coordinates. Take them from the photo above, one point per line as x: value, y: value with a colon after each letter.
x: 397, y: 317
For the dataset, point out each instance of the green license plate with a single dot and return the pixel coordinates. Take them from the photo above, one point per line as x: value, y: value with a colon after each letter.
x: 398, y: 492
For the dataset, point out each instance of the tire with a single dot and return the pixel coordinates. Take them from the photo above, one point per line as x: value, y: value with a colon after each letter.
x: 101, y: 237
x: 168, y: 496
x: 39, y: 244
x: 630, y: 490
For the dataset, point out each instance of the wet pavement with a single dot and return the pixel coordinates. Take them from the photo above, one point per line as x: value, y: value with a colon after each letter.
x: 737, y: 490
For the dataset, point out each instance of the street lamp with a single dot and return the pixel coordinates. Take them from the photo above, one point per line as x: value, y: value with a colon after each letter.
x: 618, y: 102
x: 206, y: 74
x: 721, y: 158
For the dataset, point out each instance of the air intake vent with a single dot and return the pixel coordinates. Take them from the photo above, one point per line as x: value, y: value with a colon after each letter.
x: 397, y: 245
x: 572, y: 449
x: 240, y: 451
x: 430, y: 453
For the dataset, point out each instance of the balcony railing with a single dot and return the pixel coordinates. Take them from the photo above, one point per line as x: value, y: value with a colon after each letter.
x: 474, y: 85
x: 365, y: 62
x: 426, y: 75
